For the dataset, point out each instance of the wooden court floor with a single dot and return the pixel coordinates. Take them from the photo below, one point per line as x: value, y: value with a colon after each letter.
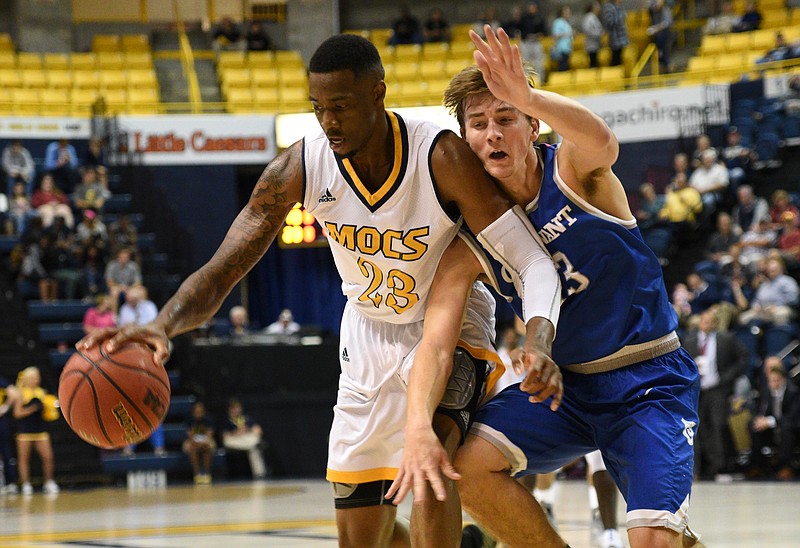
x: 300, y: 514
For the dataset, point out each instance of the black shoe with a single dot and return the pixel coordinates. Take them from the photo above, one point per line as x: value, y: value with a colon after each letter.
x: 473, y: 536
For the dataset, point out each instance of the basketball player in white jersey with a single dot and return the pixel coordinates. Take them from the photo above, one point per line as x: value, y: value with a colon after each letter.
x: 390, y: 193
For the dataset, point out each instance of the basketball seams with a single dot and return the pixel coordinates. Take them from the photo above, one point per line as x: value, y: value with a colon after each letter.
x: 86, y: 378
x: 139, y: 369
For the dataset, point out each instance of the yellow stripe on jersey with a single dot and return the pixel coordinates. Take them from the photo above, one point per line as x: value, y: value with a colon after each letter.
x: 489, y: 356
x: 361, y: 476
x: 371, y: 198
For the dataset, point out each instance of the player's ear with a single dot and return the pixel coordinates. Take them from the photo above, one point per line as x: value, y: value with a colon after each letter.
x: 534, y: 130
x: 379, y: 91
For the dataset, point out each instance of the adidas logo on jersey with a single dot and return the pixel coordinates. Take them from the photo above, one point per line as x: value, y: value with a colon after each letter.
x: 345, y: 357
x: 326, y: 197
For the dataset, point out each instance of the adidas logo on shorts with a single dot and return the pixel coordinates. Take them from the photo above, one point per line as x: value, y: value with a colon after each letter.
x: 345, y: 357
x: 327, y: 197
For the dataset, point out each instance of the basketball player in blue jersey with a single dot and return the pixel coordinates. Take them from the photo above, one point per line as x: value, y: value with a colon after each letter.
x: 390, y: 193
x: 630, y: 390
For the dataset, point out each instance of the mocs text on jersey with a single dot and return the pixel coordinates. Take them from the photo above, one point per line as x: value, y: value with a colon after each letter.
x: 405, y: 245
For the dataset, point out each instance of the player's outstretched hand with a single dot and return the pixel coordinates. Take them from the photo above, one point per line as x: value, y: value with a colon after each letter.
x: 151, y: 335
x: 424, y: 461
x: 542, y: 376
x: 501, y: 64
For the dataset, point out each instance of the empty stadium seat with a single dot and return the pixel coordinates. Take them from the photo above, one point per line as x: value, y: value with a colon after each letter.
x: 289, y: 58
x: 61, y: 79
x: 138, y: 60
x: 56, y: 61
x: 407, y: 53
x: 85, y: 79
x: 264, y: 77
x: 435, y: 51
x: 261, y: 59
x: 135, y: 42
x: 83, y: 61
x: 106, y: 42
x: 10, y: 78
x: 110, y: 61
x: 26, y: 101
x: 231, y: 59
x: 292, y: 76
x: 55, y: 102
x: 8, y: 60
x: 142, y: 78
x: 239, y: 100
x: 113, y: 79
x: 33, y: 78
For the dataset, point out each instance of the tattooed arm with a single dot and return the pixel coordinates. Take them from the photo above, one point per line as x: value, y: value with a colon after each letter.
x: 200, y: 296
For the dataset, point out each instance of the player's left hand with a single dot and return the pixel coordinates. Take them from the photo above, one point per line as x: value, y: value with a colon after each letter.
x: 542, y: 376
x: 424, y: 461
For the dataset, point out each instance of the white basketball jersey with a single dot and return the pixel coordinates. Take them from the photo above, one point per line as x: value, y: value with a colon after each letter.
x: 386, y: 244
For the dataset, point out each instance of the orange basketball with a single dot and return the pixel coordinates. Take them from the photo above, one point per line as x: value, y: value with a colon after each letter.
x: 113, y: 400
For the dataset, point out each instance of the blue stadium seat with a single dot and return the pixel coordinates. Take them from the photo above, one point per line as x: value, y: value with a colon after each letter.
x: 64, y: 310
x: 118, y: 203
x: 68, y: 333
x: 59, y: 359
x: 8, y: 243
x: 136, y: 219
x: 767, y: 145
x: 146, y: 241
x: 180, y: 407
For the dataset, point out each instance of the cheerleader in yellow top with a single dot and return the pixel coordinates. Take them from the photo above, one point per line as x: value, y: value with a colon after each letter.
x: 31, y: 410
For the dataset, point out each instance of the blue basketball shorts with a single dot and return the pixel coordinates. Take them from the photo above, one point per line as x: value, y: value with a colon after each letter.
x: 642, y: 417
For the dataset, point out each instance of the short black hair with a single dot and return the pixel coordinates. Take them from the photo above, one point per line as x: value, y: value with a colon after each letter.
x: 347, y: 52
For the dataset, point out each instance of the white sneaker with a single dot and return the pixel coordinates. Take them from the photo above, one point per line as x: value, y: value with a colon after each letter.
x: 27, y: 489
x: 610, y: 539
x: 595, y: 528
x: 51, y: 488
x: 11, y: 489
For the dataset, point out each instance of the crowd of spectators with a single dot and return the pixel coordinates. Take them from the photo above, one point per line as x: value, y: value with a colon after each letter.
x: 227, y: 35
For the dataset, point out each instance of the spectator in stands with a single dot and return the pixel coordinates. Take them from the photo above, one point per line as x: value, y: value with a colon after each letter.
x: 256, y: 38
x: 102, y: 180
x: 436, y: 27
x: 8, y: 395
x: 615, y: 21
x: 62, y: 259
x: 721, y: 359
x: 593, y: 29
x: 138, y: 309
x: 91, y: 229
x: 34, y: 279
x: 780, y: 204
x: 702, y: 143
x: 680, y: 302
x: 655, y: 231
x: 717, y: 251
x: 31, y: 410
x: 780, y: 52
x: 737, y: 158
x: 95, y: 155
x: 285, y: 324
x: 20, y: 209
x: 240, y: 322
x: 122, y: 273
x: 405, y: 29
x: 680, y: 164
x: 750, y: 19
x: 94, y: 267
x: 702, y: 295
x: 757, y: 241
x: 562, y: 32
x: 199, y: 444
x: 99, y: 316
x: 18, y: 166
x: 710, y: 179
x: 51, y: 202
x: 89, y: 193
x: 776, y: 426
x: 61, y: 161
x: 749, y: 209
x: 227, y: 37
x: 682, y: 204
x: 122, y: 233
x: 661, y: 31
x: 789, y: 241
x: 724, y: 22
x: 488, y: 17
x: 241, y: 433
x: 533, y: 27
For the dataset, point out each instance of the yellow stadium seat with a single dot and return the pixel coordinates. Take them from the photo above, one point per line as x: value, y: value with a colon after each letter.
x: 730, y: 63
x: 407, y: 52
x: 436, y: 88
x: 59, y: 61
x: 289, y: 58
x: 10, y: 78
x: 432, y: 70
x: 462, y: 50
x: 135, y: 42
x: 712, y: 44
x: 454, y: 66
x: 612, y: 73
x: 82, y: 101
x: 435, y: 51
x: 28, y: 60
x: 138, y: 60
x: 737, y: 42
x: 413, y: 93
x: 386, y: 53
x: 701, y: 64
x: 8, y: 60
x: 292, y: 76
x: 236, y: 78
x: 380, y: 37
x: 106, y: 42
x: 774, y: 19
x: 231, y: 59
x: 6, y: 44
x: 59, y: 79
x: 32, y: 78
x: 294, y: 99
x: 791, y: 34
x: 794, y: 19
x: 110, y: 60
x: 113, y: 79
x: 266, y: 100
x: 83, y: 61
x: 240, y: 100
x: 55, y: 102
x: 142, y: 78
x: 26, y: 101
x: 751, y: 57
x: 265, y: 77
x: 559, y: 79
x: 143, y: 101
x: 586, y: 76
x: 6, y: 106
x: 85, y: 79
x: 460, y: 32
x: 579, y: 60
x: 604, y: 56
x: 405, y: 71
x: 116, y: 100
x: 261, y: 59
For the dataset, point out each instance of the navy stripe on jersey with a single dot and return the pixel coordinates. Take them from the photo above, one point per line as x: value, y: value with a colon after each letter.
x: 451, y: 209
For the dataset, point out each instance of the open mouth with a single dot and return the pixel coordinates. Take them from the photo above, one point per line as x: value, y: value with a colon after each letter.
x: 498, y: 155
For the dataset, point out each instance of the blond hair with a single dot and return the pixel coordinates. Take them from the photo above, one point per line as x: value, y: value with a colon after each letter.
x: 469, y: 82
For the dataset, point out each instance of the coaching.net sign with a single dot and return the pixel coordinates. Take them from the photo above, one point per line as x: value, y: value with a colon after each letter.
x: 191, y: 139
x: 656, y: 114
